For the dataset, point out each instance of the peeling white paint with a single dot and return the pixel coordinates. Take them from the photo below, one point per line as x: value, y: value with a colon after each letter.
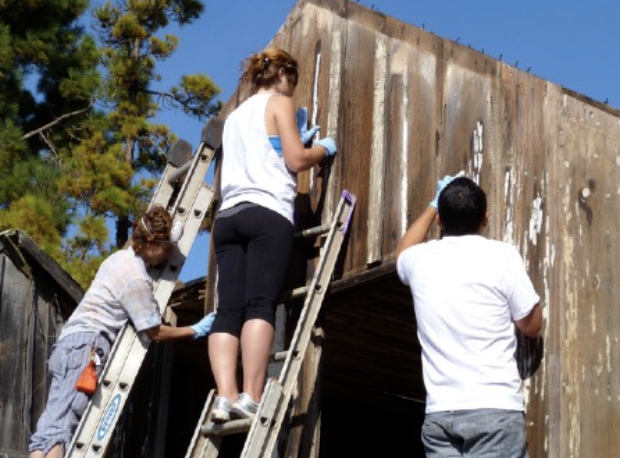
x: 599, y: 365
x: 428, y: 67
x: 536, y: 220
x: 546, y: 435
x: 334, y: 107
x: 377, y: 159
x: 315, y: 105
x: 608, y: 353
x: 404, y: 155
x: 585, y: 193
x: 593, y: 319
x: 526, y: 387
x: 478, y: 148
x: 509, y: 193
x: 583, y: 374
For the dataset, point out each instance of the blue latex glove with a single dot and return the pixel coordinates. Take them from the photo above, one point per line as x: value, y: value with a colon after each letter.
x: 329, y: 144
x: 203, y: 327
x: 302, y: 126
x: 441, y: 184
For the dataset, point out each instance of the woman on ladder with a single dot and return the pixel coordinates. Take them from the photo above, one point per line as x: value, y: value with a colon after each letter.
x: 253, y: 235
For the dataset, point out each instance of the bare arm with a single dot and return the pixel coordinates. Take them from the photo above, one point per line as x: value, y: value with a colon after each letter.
x: 164, y: 333
x: 296, y: 157
x: 531, y: 324
x: 417, y: 231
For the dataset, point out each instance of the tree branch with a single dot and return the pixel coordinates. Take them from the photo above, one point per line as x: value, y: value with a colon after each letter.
x: 50, y: 145
x: 57, y: 120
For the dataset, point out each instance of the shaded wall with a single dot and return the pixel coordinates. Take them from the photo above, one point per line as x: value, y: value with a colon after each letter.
x: 408, y: 107
x: 34, y: 303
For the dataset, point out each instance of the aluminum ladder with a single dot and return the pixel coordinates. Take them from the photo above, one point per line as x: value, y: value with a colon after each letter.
x: 184, y: 194
x: 265, y: 426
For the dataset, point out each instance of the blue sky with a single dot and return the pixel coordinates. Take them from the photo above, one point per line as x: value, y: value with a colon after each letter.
x: 571, y: 43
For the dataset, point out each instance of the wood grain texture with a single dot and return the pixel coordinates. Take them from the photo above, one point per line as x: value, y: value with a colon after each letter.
x: 549, y: 161
x: 33, y: 306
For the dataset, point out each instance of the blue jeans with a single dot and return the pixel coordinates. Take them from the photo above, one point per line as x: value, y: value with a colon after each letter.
x: 483, y: 433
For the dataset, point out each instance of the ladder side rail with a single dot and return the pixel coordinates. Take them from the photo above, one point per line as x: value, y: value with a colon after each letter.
x: 264, y: 433
x: 126, y: 339
x: 185, y: 202
x: 164, y: 190
x: 203, y: 157
x: 105, y: 405
x: 271, y: 406
x: 203, y: 446
x: 317, y: 290
x: 134, y: 349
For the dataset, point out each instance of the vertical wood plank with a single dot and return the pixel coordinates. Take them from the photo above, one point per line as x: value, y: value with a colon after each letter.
x: 377, y: 152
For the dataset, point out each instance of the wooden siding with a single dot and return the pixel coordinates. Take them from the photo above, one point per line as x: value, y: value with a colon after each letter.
x: 36, y: 297
x: 408, y: 107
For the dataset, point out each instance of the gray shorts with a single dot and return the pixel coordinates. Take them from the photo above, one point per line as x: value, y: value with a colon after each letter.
x: 65, y: 405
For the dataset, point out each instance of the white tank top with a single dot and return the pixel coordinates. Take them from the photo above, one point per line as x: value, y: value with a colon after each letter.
x: 252, y: 170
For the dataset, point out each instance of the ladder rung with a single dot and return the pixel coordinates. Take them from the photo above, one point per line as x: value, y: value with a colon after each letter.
x: 319, y: 230
x: 279, y: 356
x: 179, y: 173
x: 294, y: 294
x: 228, y: 428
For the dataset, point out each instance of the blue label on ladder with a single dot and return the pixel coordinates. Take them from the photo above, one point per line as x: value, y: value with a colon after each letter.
x: 109, y: 416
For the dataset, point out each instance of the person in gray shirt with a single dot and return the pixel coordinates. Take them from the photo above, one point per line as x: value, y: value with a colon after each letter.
x: 121, y: 291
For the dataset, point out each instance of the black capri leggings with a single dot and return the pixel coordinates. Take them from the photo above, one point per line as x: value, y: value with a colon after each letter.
x: 252, y: 249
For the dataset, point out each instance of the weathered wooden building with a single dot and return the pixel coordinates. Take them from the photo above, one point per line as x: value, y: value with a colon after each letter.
x: 36, y: 298
x: 408, y: 107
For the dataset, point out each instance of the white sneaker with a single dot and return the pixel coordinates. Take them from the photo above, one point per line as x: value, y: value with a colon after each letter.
x: 244, y: 408
x: 220, y: 413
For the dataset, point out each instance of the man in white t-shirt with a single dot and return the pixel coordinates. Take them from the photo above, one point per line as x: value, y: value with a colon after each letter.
x: 469, y: 293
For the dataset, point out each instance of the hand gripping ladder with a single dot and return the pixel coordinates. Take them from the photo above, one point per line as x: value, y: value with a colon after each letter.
x: 183, y: 192
x: 264, y: 428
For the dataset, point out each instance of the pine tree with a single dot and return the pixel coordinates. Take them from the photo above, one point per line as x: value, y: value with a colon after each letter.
x: 74, y: 161
x: 42, y: 38
x: 131, y: 48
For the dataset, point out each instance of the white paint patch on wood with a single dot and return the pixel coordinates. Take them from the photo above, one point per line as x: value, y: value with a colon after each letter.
x: 475, y: 166
x: 608, y: 353
x: 428, y: 67
x: 526, y: 387
x: 377, y: 159
x: 399, y: 65
x: 315, y: 105
x: 404, y: 156
x: 334, y: 107
x: 509, y: 196
x: 536, y: 219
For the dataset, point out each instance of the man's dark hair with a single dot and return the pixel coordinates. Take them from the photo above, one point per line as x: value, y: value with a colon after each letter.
x: 462, y: 207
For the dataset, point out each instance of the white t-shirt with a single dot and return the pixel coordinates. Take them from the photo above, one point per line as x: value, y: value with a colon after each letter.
x: 122, y: 290
x: 252, y: 170
x: 467, y: 291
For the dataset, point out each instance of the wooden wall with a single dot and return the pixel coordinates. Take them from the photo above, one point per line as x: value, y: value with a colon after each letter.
x: 33, y: 308
x: 408, y: 107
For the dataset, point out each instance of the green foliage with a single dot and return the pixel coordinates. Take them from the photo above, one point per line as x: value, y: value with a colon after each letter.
x: 40, y: 37
x: 92, y: 165
x: 39, y: 216
x: 130, y: 48
x: 85, y: 252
